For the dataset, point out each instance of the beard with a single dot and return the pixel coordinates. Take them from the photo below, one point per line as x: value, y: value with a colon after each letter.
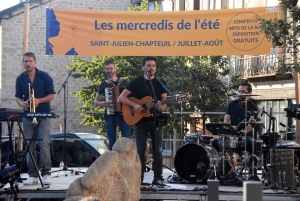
x: 242, y: 98
x: 109, y: 75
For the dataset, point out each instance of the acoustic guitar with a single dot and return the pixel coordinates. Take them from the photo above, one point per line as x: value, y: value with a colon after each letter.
x: 131, y: 117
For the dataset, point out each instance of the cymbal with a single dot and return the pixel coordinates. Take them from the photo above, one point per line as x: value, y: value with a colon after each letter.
x: 246, y: 95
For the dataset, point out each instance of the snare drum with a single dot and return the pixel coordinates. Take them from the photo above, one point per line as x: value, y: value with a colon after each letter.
x: 192, y: 138
x: 229, y: 142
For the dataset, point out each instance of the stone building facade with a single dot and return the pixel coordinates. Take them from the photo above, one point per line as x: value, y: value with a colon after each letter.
x: 11, y: 45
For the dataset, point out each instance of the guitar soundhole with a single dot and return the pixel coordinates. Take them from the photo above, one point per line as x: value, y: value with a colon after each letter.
x: 144, y: 107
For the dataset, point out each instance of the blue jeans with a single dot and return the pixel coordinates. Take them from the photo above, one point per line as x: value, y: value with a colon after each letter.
x: 43, y: 137
x: 111, y: 128
x: 141, y: 131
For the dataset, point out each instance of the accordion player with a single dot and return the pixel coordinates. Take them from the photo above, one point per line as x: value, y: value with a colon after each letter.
x: 112, y: 97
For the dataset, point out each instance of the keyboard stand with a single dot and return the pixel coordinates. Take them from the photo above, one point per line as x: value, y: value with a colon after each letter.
x: 28, y: 151
x: 10, y: 124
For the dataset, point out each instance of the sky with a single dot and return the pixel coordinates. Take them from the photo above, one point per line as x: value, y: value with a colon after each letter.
x: 7, y: 3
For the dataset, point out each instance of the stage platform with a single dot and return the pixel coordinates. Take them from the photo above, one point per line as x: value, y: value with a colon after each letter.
x: 172, y: 191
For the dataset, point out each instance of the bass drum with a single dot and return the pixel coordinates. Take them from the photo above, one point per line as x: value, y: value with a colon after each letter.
x: 194, y: 162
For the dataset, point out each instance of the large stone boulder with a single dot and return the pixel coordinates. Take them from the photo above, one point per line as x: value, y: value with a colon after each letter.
x: 115, y: 175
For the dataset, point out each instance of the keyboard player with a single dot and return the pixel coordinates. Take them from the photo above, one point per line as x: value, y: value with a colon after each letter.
x: 41, y: 84
x: 113, y: 114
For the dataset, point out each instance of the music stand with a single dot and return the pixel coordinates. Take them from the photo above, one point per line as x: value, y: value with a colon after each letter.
x: 221, y: 129
x: 63, y: 86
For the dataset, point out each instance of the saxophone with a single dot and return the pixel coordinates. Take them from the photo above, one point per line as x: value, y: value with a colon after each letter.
x: 32, y: 104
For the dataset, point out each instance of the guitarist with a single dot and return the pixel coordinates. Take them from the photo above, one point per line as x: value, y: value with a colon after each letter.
x: 117, y: 118
x: 139, y: 88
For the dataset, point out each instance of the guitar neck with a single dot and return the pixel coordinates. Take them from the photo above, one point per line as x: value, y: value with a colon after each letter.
x: 169, y: 100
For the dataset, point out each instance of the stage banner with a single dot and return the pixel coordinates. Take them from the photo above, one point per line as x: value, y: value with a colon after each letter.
x: 178, y: 33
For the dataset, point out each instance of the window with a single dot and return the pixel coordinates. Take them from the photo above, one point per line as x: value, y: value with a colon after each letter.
x: 276, y: 108
x: 58, y: 150
x: 151, y: 6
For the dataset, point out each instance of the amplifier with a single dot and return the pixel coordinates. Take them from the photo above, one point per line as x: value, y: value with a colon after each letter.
x: 282, y: 167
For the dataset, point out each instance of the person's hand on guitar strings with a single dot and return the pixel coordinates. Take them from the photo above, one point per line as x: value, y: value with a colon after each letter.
x: 159, y: 106
x: 138, y: 108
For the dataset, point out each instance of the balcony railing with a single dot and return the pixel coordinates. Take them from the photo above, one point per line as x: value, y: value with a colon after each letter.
x: 254, y: 65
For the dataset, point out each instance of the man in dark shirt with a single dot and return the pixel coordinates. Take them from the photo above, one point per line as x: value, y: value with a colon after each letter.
x: 112, y: 120
x: 42, y: 84
x: 236, y: 115
x: 242, y: 117
x: 139, y: 88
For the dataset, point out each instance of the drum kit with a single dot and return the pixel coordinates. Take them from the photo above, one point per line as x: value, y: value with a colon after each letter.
x: 197, y: 160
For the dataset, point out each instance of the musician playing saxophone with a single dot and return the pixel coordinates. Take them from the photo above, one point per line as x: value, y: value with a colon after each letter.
x: 112, y: 117
x: 42, y: 84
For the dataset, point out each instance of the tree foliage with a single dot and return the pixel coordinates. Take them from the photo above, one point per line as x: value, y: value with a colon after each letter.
x: 284, y: 33
x: 198, y: 76
x: 144, y: 6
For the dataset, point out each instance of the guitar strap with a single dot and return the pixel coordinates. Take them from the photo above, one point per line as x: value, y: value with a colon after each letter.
x: 165, y: 87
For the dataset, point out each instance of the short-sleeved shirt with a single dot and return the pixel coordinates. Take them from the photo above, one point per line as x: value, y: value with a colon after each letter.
x: 236, y: 110
x: 140, y: 87
x: 42, y: 85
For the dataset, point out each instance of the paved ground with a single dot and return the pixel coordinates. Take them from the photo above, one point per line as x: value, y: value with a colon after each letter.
x: 172, y: 191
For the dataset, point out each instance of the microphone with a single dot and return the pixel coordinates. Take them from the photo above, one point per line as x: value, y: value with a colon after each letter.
x: 262, y: 112
x: 148, y: 73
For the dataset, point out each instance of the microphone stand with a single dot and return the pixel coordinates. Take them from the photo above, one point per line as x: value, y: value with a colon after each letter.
x: 272, y: 119
x: 63, y: 86
x: 156, y: 126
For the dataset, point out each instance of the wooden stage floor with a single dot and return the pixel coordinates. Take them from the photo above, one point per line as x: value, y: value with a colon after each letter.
x: 61, y: 181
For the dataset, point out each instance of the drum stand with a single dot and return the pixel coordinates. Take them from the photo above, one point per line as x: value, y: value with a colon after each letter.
x: 223, y: 156
x: 224, y: 176
x: 253, y: 156
x: 265, y: 175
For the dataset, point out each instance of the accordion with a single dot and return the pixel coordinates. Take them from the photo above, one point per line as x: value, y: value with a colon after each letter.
x: 112, y: 97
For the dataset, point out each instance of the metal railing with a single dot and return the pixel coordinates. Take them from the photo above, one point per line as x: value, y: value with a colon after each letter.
x: 254, y: 65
